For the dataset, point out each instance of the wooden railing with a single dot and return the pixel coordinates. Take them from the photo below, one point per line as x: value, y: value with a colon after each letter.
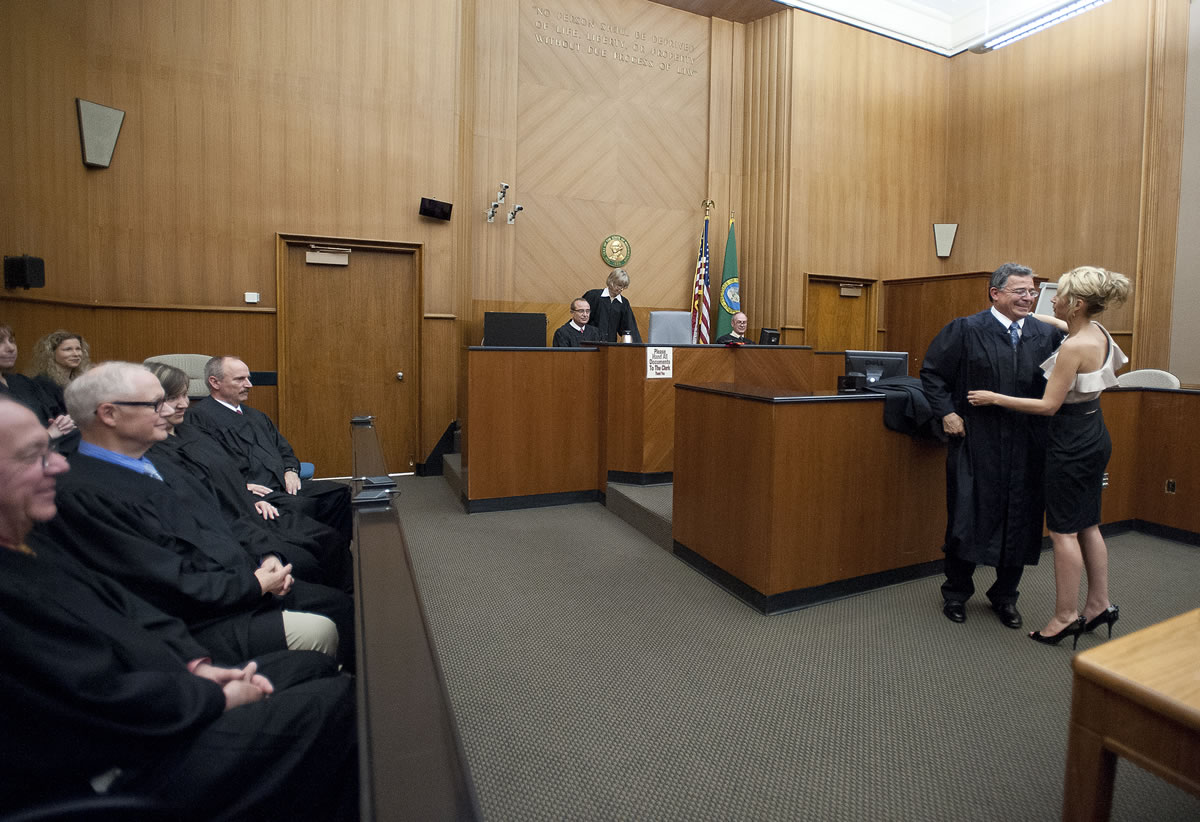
x: 411, y: 762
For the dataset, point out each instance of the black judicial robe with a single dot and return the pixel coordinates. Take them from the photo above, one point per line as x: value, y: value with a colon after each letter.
x: 611, y: 317
x: 567, y: 337
x: 263, y: 456
x: 994, y: 475
x: 729, y: 339
x: 175, y: 551
x: 94, y: 678
x: 45, y: 399
x: 317, y: 552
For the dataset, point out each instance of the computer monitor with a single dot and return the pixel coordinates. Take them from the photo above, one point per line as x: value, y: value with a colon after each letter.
x: 670, y: 327
x: 768, y: 336
x: 514, y: 329
x: 875, y: 365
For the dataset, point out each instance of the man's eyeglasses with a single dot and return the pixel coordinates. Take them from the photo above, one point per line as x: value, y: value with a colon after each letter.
x: 1021, y: 292
x: 581, y: 311
x: 155, y: 404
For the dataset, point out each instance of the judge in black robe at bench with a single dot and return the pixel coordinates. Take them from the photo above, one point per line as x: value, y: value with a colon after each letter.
x: 102, y: 693
x: 612, y: 315
x: 738, y: 336
x: 269, y: 524
x: 265, y: 457
x: 576, y: 331
x: 160, y: 534
x: 994, y: 465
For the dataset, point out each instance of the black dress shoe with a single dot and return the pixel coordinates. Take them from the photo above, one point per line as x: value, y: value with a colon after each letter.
x: 955, y: 611
x: 1008, y: 614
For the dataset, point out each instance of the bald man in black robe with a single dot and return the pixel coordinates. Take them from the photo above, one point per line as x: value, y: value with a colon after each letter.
x: 263, y: 454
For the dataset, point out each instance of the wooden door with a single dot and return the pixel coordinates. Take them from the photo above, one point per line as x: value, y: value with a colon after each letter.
x: 839, y: 314
x: 345, y: 334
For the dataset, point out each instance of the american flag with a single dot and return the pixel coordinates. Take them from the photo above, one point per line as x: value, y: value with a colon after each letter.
x: 700, y: 291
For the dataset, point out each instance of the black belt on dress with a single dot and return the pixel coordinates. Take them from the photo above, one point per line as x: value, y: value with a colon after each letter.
x: 1079, y: 409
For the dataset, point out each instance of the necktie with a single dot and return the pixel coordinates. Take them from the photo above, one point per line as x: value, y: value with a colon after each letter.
x: 1014, y: 333
x: 240, y: 410
x: 150, y: 471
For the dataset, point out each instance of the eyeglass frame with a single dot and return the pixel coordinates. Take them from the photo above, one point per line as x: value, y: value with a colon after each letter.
x: 1021, y: 292
x: 155, y: 404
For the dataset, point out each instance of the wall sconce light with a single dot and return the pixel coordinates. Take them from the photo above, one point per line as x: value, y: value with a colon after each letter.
x: 512, y: 215
x: 491, y: 212
x: 502, y: 193
x: 943, y: 237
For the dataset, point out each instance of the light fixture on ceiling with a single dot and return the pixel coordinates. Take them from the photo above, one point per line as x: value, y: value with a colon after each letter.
x: 1045, y: 21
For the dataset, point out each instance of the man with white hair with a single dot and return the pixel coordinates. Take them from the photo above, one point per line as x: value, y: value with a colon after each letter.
x: 102, y: 693
x: 151, y: 530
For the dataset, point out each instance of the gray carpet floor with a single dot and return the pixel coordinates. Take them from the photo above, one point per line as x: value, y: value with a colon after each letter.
x: 596, y: 677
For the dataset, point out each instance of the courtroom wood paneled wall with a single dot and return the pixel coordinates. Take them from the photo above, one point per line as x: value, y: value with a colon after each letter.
x: 837, y: 149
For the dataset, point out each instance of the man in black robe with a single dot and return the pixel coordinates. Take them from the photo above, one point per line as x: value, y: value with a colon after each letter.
x: 994, y: 493
x: 161, y: 535
x: 738, y: 335
x: 576, y: 331
x: 101, y: 693
x: 316, y: 552
x: 265, y: 457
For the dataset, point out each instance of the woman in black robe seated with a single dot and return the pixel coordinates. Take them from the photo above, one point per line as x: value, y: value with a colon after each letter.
x: 60, y: 357
x: 41, y: 396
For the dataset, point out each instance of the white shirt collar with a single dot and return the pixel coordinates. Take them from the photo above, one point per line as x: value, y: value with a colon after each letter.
x: 236, y: 408
x: 578, y: 328
x: 605, y: 293
x: 1005, y: 321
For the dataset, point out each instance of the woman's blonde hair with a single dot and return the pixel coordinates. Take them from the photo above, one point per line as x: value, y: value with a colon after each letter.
x: 44, y: 364
x: 1098, y: 288
x: 618, y: 278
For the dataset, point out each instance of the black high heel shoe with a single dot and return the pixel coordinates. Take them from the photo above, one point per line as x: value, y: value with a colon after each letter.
x: 1106, y: 617
x: 1073, y: 630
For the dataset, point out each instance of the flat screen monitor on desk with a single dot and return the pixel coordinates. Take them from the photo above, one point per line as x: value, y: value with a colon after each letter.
x: 514, y: 329
x: 875, y: 365
x: 768, y: 336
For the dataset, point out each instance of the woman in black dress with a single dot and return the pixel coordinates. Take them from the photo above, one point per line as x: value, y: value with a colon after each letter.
x: 1078, y: 448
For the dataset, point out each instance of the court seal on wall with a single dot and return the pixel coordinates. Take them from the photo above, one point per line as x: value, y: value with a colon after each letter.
x: 615, y: 250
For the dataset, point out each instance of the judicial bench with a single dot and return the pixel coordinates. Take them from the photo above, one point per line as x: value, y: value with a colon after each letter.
x: 784, y: 492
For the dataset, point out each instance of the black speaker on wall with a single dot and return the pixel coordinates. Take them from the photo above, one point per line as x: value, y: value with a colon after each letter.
x: 435, y: 208
x: 24, y: 272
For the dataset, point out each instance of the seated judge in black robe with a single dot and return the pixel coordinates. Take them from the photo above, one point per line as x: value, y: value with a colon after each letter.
x: 38, y: 394
x: 95, y: 679
x: 263, y: 455
x: 166, y: 541
x: 576, y: 331
x: 994, y: 469
x: 100, y: 691
x: 738, y: 335
x: 272, y: 523
x: 612, y: 315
